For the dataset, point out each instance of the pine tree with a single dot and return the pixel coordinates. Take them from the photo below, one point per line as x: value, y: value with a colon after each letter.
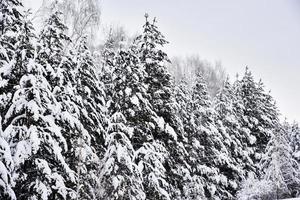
x: 280, y: 167
x: 35, y: 140
x: 93, y: 106
x: 62, y: 75
x: 211, y: 159
x: 6, y: 168
x: 10, y: 15
x: 226, y: 105
x: 293, y: 137
x: 193, y: 182
x: 130, y: 98
x: 10, y: 24
x: 120, y: 177
x: 161, y: 96
x: 257, y: 115
x: 91, y: 103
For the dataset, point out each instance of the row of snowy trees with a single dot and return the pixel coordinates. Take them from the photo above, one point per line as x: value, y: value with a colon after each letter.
x: 73, y: 128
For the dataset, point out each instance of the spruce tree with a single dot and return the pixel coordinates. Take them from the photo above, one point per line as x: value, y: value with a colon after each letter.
x: 193, y: 181
x: 35, y: 140
x: 211, y: 159
x: 293, y: 136
x: 6, y: 169
x: 169, y: 130
x: 11, y: 22
x: 120, y: 177
x: 92, y: 114
x: 91, y: 90
x: 257, y: 115
x: 62, y: 74
x: 130, y: 98
x: 280, y: 167
x: 226, y: 106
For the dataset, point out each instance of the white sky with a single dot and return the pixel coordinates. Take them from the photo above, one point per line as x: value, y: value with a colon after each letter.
x: 263, y: 34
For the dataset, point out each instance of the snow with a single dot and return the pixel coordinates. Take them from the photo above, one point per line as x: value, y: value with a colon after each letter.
x: 135, y: 101
x: 128, y: 91
x: 160, y: 122
x: 59, y: 184
x: 42, y: 190
x: 23, y: 151
x: 171, y: 132
x: 291, y: 199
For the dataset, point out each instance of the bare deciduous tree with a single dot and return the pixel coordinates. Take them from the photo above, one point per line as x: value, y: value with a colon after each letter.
x: 81, y: 16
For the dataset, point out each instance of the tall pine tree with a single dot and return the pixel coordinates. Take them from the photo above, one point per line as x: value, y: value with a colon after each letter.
x: 35, y: 140
x: 6, y: 169
x: 160, y: 89
x: 62, y: 74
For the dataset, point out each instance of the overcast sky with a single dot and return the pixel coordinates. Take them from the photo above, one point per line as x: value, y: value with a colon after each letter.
x: 263, y: 34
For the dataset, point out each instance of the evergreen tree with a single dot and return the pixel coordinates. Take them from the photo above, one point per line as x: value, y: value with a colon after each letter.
x: 10, y: 16
x: 6, y: 168
x: 92, y: 114
x: 130, y: 98
x: 161, y: 96
x: 91, y: 90
x: 11, y: 22
x: 211, y: 157
x: 293, y: 134
x: 280, y: 167
x: 257, y: 115
x: 193, y: 181
x: 120, y: 177
x: 62, y: 75
x: 35, y: 140
x: 226, y: 105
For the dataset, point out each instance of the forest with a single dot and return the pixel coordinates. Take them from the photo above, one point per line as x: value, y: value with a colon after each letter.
x: 121, y: 122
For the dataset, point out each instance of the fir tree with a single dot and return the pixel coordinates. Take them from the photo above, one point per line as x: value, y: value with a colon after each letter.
x: 92, y: 103
x: 193, y: 182
x: 35, y: 140
x: 257, y: 115
x: 161, y: 96
x: 11, y: 22
x: 280, y: 167
x: 293, y: 136
x: 62, y: 74
x: 130, y: 98
x: 6, y: 169
x: 120, y: 177
x: 226, y: 105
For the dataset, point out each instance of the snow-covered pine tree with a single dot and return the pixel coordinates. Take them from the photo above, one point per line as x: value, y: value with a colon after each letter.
x: 61, y: 69
x: 169, y: 130
x: 92, y: 103
x: 130, y: 95
x: 10, y: 16
x: 225, y: 105
x: 92, y: 112
x: 119, y: 176
x: 6, y: 169
x: 268, y: 116
x: 257, y: 115
x: 193, y: 182
x: 106, y: 68
x: 293, y: 136
x: 35, y: 140
x: 130, y: 98
x: 210, y: 156
x: 10, y: 24
x: 279, y: 166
